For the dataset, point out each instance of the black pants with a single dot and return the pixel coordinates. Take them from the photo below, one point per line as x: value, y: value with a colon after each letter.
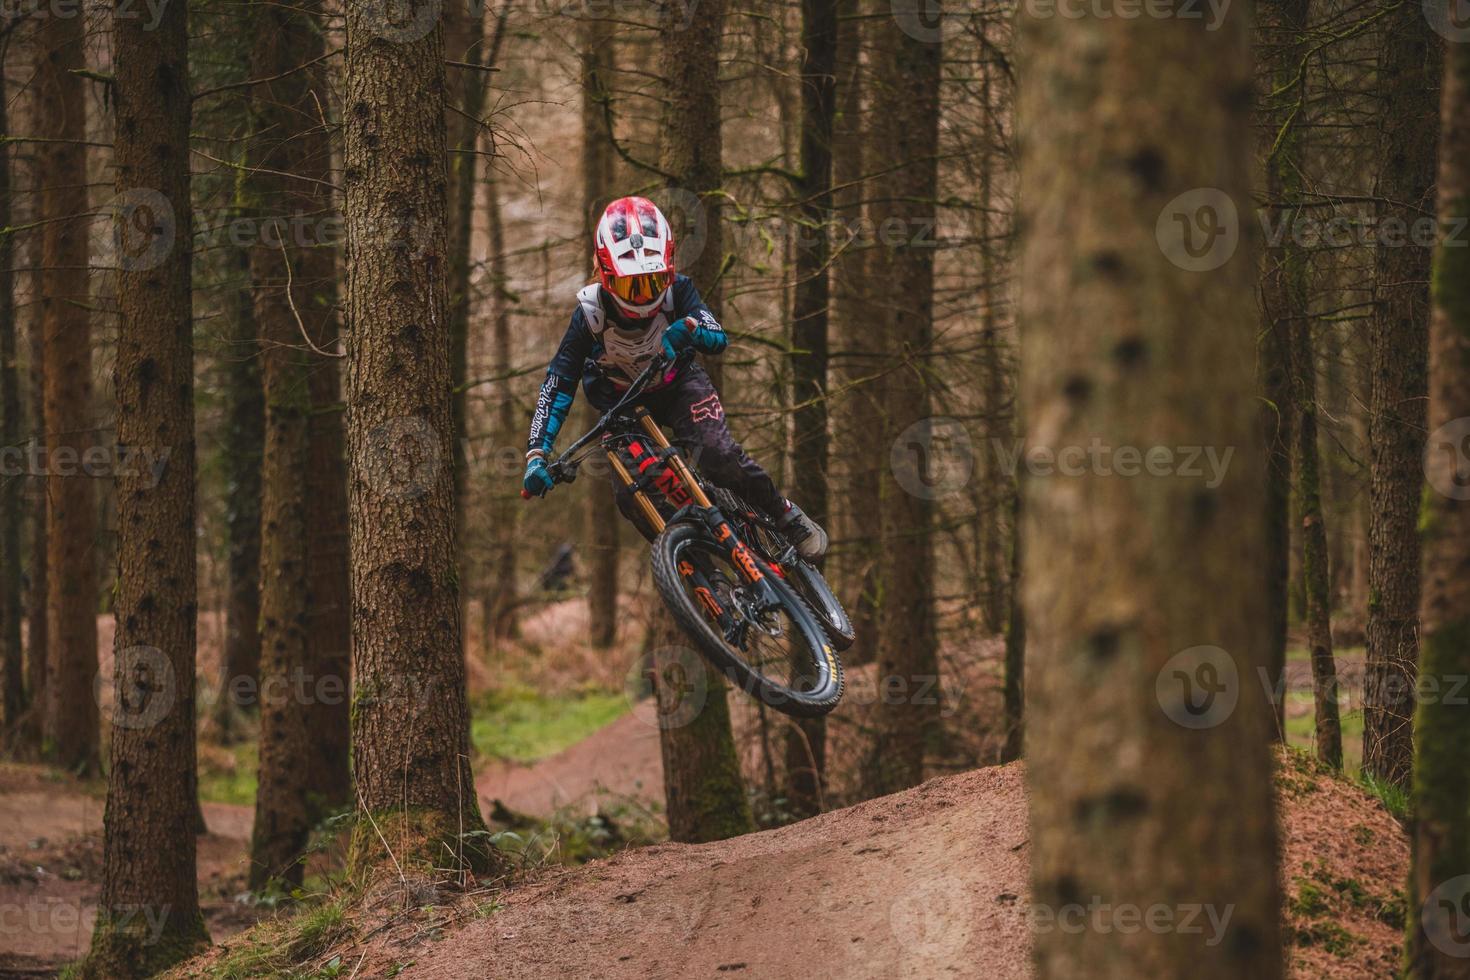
x: 689, y: 410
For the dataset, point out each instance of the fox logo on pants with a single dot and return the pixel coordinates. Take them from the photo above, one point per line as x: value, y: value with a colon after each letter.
x: 707, y: 408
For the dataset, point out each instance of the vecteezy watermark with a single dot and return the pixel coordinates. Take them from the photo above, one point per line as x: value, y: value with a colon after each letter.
x: 1127, y: 918
x: 403, y: 458
x: 150, y: 11
x: 1450, y: 19
x: 667, y: 687
x: 98, y: 462
x: 1445, y: 917
x: 935, y: 457
x: 1447, y: 459
x: 933, y: 919
x: 1199, y: 687
x: 54, y: 916
x: 1200, y: 230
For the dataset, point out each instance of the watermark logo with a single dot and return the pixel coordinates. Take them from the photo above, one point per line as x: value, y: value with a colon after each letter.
x: 934, y: 920
x: 1450, y: 19
x: 403, y: 458
x: 933, y: 458
x: 667, y: 687
x: 143, y: 230
x: 143, y: 687
x: 1445, y: 917
x: 1447, y: 459
x: 1199, y: 687
x: 1199, y: 230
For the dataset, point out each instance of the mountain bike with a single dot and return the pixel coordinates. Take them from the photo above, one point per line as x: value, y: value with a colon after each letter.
x: 757, y: 611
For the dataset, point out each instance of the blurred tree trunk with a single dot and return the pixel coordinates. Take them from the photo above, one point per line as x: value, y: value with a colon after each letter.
x: 1015, y: 650
x: 905, y: 122
x: 244, y: 438
x: 12, y: 658
x: 37, y: 591
x: 288, y: 160
x: 599, y: 66
x: 1328, y: 726
x: 70, y: 723
x: 501, y: 606
x: 704, y: 792
x: 1139, y: 587
x: 1282, y: 34
x: 691, y: 151
x: 1439, y: 886
x: 857, y: 366
x: 152, y: 793
x: 410, y: 721
x: 806, y: 738
x: 1409, y: 77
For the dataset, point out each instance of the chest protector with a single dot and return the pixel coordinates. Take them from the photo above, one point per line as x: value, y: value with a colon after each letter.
x: 625, y: 353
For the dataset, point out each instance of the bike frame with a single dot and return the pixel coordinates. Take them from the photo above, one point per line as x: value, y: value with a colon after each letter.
x: 662, y: 466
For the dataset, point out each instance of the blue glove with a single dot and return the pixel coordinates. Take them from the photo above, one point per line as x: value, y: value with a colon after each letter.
x: 537, y: 479
x: 679, y: 336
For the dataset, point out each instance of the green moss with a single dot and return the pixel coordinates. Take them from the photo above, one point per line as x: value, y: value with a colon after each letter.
x: 524, y: 726
x: 278, y: 948
x: 1309, y: 902
x: 234, y: 783
x: 1326, y: 935
x: 129, y: 947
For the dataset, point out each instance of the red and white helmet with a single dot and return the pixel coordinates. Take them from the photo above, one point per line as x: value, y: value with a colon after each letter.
x: 635, y: 255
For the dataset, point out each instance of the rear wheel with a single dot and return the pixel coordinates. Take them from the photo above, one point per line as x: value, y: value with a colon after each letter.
x: 778, y: 655
x: 823, y: 602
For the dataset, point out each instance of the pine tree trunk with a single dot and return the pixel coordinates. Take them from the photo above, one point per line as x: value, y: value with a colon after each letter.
x: 1015, y: 651
x: 152, y: 792
x: 502, y: 602
x: 599, y: 64
x: 284, y: 110
x: 857, y: 366
x: 704, y: 792
x: 1136, y: 583
x: 806, y: 739
x: 38, y: 579
x: 410, y: 730
x: 905, y: 114
x: 691, y: 150
x: 1439, y: 883
x: 12, y: 659
x: 243, y: 450
x: 1315, y: 577
x: 1409, y: 73
x: 1283, y: 24
x: 70, y: 723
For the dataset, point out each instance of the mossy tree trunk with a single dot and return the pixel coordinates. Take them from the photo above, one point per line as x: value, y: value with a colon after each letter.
x: 704, y: 792
x: 905, y: 123
x: 410, y: 730
x: 805, y: 740
x: 1136, y: 583
x: 1440, y: 876
x: 1315, y: 576
x: 148, y: 876
x: 1409, y: 77
x: 70, y: 720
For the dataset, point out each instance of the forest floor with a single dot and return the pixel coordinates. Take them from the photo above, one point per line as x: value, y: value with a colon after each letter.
x: 887, y: 887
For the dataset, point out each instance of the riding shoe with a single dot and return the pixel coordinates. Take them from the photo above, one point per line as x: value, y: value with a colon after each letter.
x: 802, y: 531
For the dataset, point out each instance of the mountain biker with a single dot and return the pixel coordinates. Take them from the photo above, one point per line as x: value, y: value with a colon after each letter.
x: 638, y: 308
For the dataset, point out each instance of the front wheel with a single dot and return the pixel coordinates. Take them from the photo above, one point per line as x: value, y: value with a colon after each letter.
x: 777, y: 654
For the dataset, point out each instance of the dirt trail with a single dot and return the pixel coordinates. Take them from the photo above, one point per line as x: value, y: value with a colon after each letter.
x: 51, y: 869
x: 926, y: 883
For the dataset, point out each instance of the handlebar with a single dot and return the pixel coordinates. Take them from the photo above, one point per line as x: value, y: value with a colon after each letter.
x: 565, y: 464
